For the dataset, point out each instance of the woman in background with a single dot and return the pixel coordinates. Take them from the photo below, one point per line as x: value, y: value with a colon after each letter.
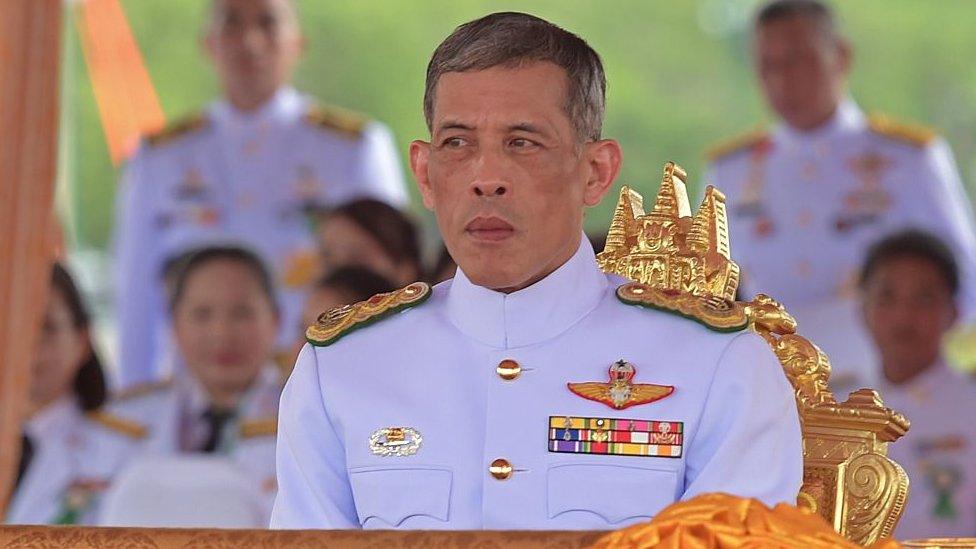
x: 225, y: 322
x: 374, y: 235
x: 55, y: 482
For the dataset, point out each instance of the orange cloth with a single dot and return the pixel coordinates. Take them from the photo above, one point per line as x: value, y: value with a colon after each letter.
x: 721, y: 521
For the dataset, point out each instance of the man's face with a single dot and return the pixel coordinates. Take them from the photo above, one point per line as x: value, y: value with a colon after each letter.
x: 506, y: 175
x: 802, y: 71
x: 254, y: 45
x: 907, y: 308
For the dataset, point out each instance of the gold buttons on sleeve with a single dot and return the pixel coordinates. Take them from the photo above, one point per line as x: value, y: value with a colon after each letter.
x: 501, y: 469
x: 508, y: 369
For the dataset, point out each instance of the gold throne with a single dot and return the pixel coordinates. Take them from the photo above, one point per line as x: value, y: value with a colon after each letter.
x: 686, y: 260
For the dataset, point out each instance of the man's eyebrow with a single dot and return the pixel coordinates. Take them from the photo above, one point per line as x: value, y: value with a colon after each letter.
x: 454, y: 125
x: 525, y: 127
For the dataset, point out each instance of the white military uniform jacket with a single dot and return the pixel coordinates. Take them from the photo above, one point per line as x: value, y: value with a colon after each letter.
x: 233, y: 178
x: 938, y: 453
x: 171, y: 415
x: 415, y: 422
x: 805, y: 207
x: 62, y: 481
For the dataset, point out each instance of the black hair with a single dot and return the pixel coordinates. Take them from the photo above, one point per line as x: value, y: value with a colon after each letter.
x: 90, y: 388
x: 913, y: 243
x: 358, y: 283
x: 182, y: 268
x: 393, y: 230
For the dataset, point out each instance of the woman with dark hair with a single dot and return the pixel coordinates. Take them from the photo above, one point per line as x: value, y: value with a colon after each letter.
x: 374, y: 235
x: 225, y: 323
x: 54, y: 480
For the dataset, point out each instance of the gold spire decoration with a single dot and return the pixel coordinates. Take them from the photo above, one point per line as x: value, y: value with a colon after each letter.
x: 683, y: 263
x: 668, y: 248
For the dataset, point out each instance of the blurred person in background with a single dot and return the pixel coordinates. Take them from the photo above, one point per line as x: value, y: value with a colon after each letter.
x: 250, y: 168
x: 343, y: 286
x: 370, y: 233
x: 56, y: 483
x: 910, y: 286
x: 808, y: 196
x: 225, y: 321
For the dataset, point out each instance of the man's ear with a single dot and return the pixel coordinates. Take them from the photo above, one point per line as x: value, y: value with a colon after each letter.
x: 419, y: 155
x: 604, y: 157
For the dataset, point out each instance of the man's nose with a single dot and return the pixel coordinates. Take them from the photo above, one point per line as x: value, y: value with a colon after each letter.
x: 490, y: 176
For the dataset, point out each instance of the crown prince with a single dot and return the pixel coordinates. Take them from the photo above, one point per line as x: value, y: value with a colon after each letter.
x: 524, y: 393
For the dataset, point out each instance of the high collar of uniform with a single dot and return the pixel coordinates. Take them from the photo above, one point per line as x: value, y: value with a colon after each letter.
x: 925, y: 383
x: 284, y: 105
x: 196, y: 400
x: 847, y: 117
x: 531, y: 315
x: 51, y: 418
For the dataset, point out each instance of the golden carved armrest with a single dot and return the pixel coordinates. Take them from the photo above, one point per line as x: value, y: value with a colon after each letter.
x: 848, y: 478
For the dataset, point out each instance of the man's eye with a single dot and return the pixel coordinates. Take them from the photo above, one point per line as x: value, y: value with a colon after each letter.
x: 453, y: 142
x: 521, y: 143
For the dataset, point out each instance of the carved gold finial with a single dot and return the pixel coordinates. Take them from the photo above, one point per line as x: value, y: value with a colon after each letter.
x: 667, y: 248
x: 683, y: 264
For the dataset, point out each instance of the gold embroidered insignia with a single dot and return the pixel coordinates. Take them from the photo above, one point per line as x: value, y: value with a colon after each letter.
x: 620, y: 391
x: 395, y: 441
x: 120, y: 425
x: 179, y: 128
x: 912, y: 134
x: 746, y: 141
x: 142, y: 389
x: 336, y: 323
x: 265, y: 427
x: 337, y: 119
x: 714, y: 313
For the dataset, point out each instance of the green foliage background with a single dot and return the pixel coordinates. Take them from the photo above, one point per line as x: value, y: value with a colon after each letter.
x: 678, y: 70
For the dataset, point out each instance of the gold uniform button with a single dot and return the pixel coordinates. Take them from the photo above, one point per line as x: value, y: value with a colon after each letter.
x: 501, y: 469
x: 508, y: 369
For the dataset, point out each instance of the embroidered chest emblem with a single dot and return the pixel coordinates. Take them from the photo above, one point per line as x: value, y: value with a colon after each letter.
x: 395, y: 441
x: 620, y: 391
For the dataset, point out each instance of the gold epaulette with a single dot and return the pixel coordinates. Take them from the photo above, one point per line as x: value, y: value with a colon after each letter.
x: 142, y: 389
x: 284, y: 361
x: 334, y: 324
x: 337, y: 119
x: 120, y: 425
x: 713, y: 313
x: 179, y: 128
x: 741, y: 142
x: 913, y: 134
x: 265, y: 427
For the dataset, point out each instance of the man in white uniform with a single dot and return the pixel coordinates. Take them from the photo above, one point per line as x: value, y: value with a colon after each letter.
x: 910, y: 282
x: 248, y: 171
x: 529, y: 392
x: 810, y: 195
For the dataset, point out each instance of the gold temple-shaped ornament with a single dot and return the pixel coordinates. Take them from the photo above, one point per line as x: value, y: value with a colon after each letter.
x: 683, y: 263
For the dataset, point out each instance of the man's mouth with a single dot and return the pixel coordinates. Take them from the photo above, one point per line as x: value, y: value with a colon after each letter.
x: 490, y: 229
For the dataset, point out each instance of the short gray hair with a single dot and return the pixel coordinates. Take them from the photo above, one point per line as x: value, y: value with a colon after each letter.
x: 511, y: 39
